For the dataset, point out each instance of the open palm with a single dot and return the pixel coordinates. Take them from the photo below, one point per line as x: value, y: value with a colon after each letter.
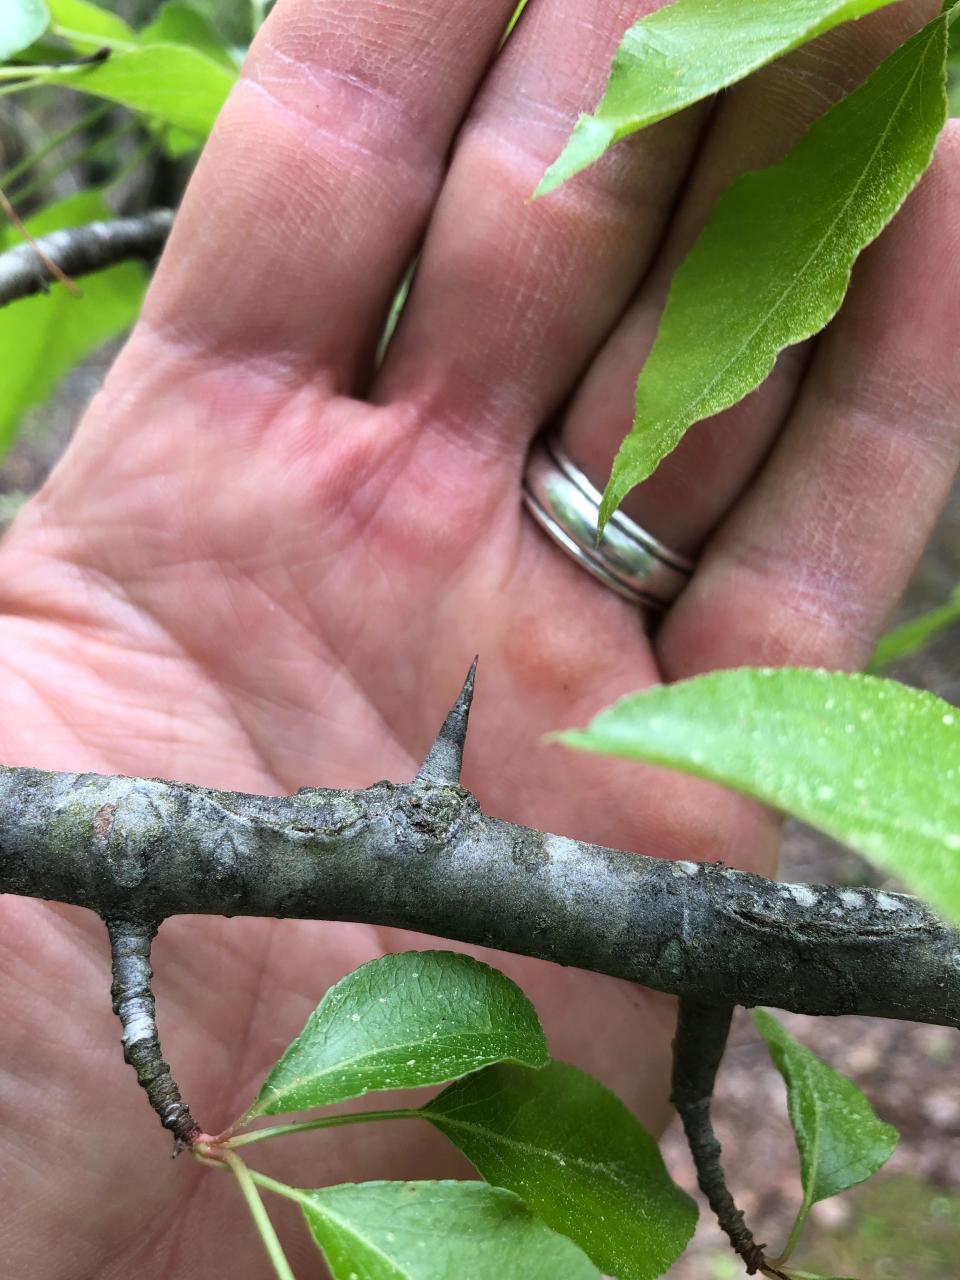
x: 266, y: 563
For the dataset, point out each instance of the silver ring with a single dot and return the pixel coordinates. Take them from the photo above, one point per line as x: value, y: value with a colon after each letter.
x: 629, y: 561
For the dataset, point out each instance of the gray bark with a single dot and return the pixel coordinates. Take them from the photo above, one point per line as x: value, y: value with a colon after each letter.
x: 423, y: 856
x: 79, y: 250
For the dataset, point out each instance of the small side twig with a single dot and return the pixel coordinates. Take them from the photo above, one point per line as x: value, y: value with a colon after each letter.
x: 134, y: 1004
x: 55, y: 272
x: 698, y: 1047
x: 29, y: 268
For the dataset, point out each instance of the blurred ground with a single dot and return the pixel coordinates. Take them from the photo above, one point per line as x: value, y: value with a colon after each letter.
x: 904, y: 1223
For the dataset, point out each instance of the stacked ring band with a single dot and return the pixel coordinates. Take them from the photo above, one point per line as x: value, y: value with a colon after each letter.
x: 628, y: 559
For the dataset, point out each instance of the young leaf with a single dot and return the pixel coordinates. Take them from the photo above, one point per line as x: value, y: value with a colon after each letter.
x: 774, y: 260
x: 51, y: 333
x: 913, y: 635
x: 89, y: 26
x: 421, y: 1017
x: 21, y: 22
x: 574, y: 1153
x: 869, y: 761
x: 174, y: 84
x: 687, y: 51
x: 840, y: 1140
x: 436, y: 1231
x: 179, y: 23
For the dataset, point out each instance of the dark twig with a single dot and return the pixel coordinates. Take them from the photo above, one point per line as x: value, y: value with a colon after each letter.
x: 698, y: 1046
x: 77, y: 251
x: 421, y: 855
x: 134, y: 1004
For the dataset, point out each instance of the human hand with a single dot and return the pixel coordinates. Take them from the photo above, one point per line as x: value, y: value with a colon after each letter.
x: 264, y: 564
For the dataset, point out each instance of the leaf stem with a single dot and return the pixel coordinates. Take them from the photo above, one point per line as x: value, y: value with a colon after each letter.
x: 270, y: 1184
x: 247, y: 1180
x: 41, y: 180
x: 795, y: 1230
x: 84, y: 38
x: 31, y: 71
x: 321, y: 1122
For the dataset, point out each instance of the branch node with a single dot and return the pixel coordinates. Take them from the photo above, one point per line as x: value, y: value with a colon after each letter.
x: 445, y: 758
x: 134, y: 1004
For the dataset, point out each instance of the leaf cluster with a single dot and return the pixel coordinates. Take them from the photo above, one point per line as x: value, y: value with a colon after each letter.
x: 572, y: 1180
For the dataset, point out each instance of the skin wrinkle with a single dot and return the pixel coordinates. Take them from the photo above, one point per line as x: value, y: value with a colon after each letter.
x: 410, y: 123
x: 333, y: 134
x: 123, y: 593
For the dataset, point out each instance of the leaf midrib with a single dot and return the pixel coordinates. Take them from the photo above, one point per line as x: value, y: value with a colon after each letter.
x: 791, y: 286
x: 405, y: 1046
x: 527, y: 1148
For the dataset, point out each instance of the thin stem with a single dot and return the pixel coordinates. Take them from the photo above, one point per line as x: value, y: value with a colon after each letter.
x: 15, y: 172
x: 95, y: 42
x: 794, y: 1236
x: 321, y: 1122
x: 137, y: 158
x: 34, y: 71
x: 44, y: 179
x: 278, y: 1188
x: 258, y: 11
x: 517, y: 13
x: 261, y: 1219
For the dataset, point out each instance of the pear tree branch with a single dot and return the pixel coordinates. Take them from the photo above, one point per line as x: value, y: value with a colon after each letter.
x: 30, y: 268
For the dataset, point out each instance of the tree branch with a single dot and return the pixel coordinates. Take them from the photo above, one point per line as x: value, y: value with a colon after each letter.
x: 421, y: 855
x: 79, y: 250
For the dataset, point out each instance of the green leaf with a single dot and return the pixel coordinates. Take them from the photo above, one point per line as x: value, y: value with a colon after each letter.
x: 869, y: 761
x: 89, y: 26
x: 421, y: 1017
x: 178, y: 23
x: 915, y: 634
x: 773, y: 263
x: 51, y: 333
x: 174, y: 84
x: 21, y: 22
x: 233, y: 23
x: 574, y: 1153
x: 436, y: 1231
x: 687, y: 51
x: 840, y: 1140
x: 953, y: 68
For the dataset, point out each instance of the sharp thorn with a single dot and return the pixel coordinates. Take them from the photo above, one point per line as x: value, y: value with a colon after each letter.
x: 445, y: 758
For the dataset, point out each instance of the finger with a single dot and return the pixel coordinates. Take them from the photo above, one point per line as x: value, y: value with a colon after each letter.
x: 311, y: 195
x: 756, y: 125
x: 511, y: 297
x: 809, y: 566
